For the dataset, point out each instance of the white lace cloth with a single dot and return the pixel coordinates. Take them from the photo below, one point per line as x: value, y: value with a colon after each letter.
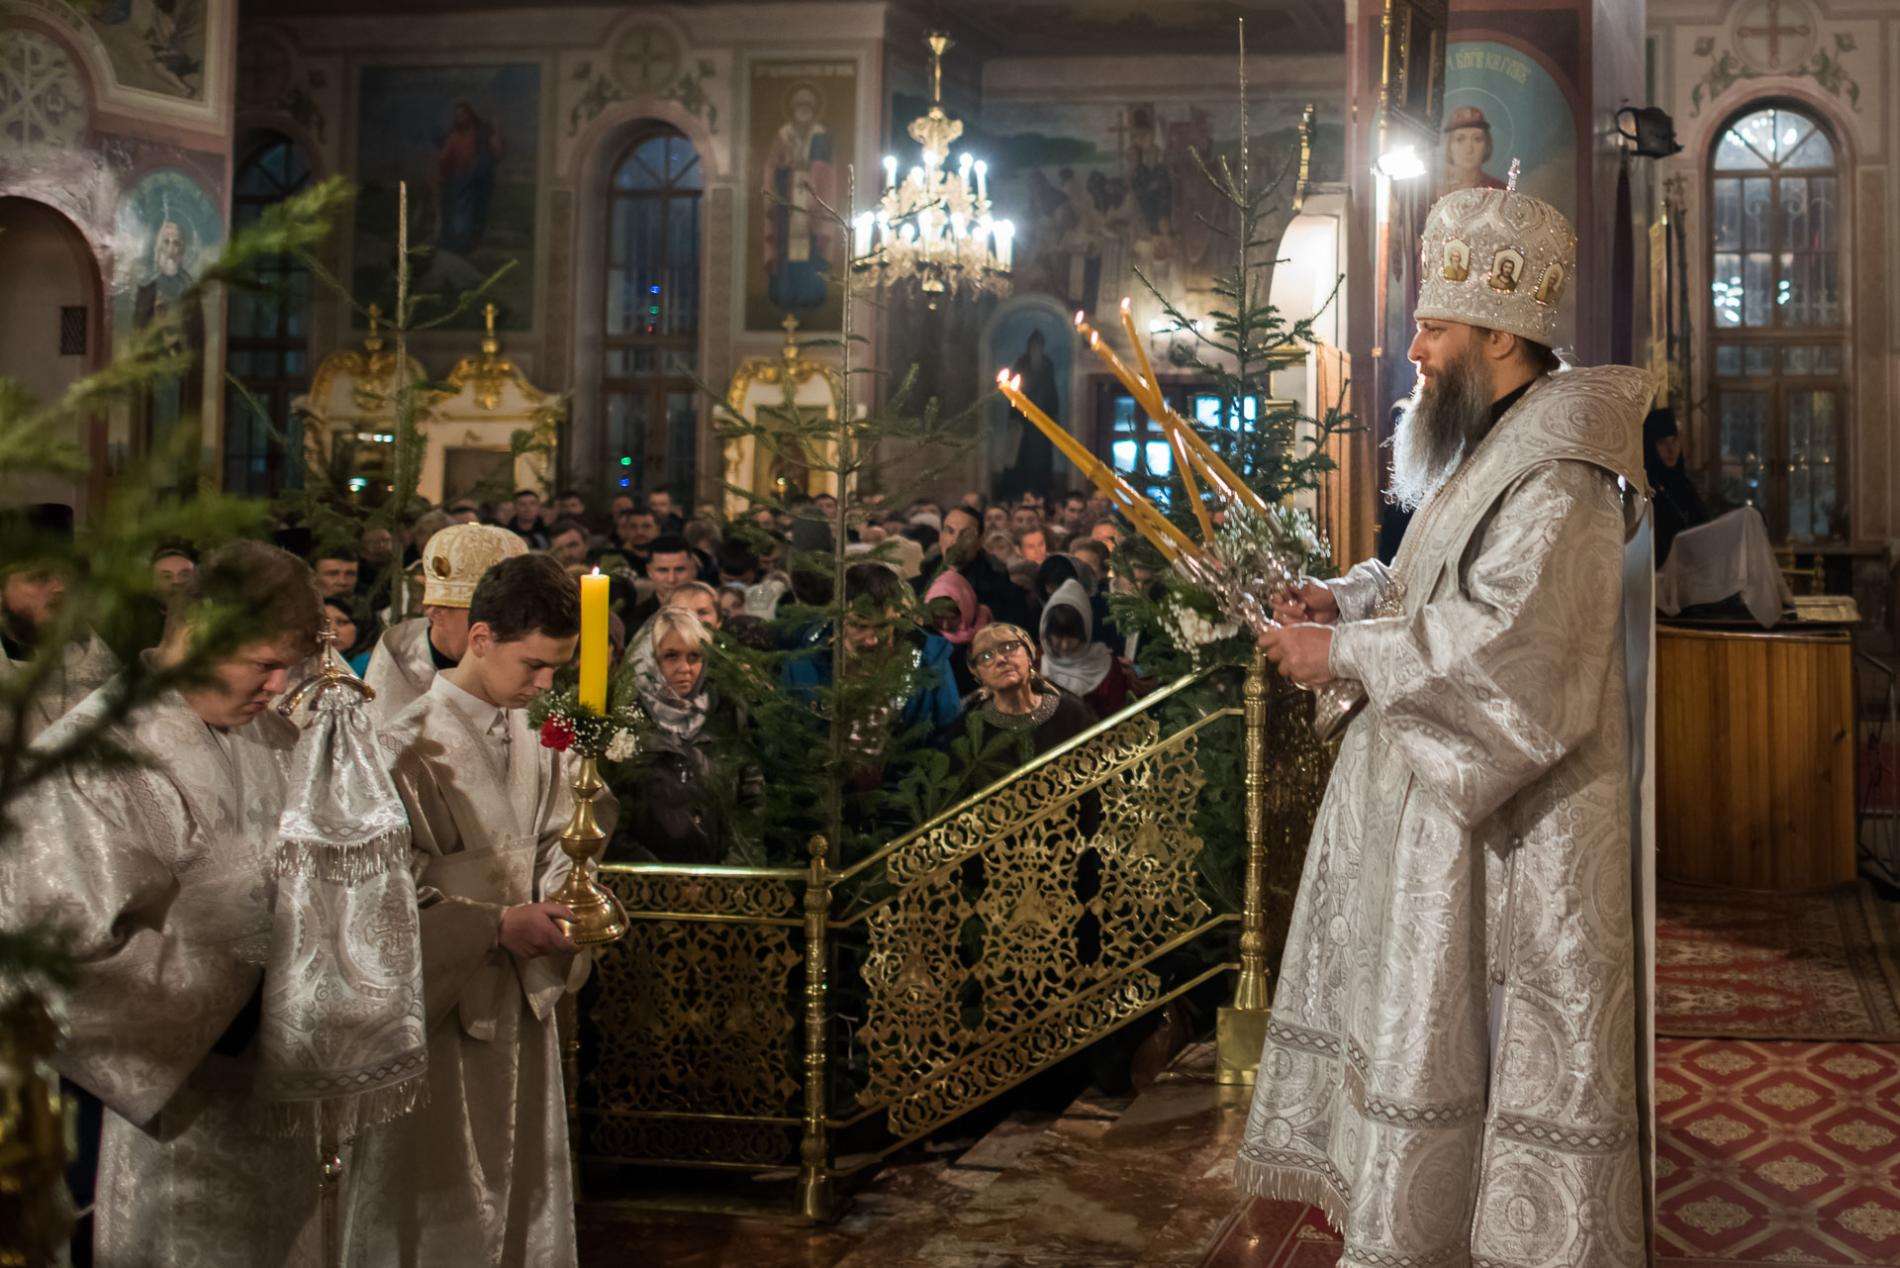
x: 1729, y: 555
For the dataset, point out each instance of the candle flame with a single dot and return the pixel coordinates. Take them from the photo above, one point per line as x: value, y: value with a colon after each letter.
x: 1081, y: 319
x: 1126, y: 303
x: 595, y: 572
x: 1002, y: 376
x: 1094, y: 338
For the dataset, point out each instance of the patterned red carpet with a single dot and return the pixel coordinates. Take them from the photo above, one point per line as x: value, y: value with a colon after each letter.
x: 1768, y: 1154
x: 1779, y: 966
x: 1778, y: 1152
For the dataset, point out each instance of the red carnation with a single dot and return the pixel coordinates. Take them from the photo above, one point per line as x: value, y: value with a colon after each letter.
x: 557, y: 733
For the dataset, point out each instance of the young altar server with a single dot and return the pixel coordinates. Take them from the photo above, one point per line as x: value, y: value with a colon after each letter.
x: 479, y: 1175
x: 410, y: 654
x: 159, y: 873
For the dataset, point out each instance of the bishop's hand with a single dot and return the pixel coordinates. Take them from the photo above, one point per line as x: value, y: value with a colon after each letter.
x: 535, y: 929
x: 1309, y: 602
x: 1302, y: 653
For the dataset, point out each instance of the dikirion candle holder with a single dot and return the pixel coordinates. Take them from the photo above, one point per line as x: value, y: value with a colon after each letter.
x: 597, y: 915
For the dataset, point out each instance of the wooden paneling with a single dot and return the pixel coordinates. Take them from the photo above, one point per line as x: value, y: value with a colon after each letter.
x: 1754, y: 758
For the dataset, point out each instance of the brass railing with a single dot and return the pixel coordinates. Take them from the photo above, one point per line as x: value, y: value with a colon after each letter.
x: 1016, y: 928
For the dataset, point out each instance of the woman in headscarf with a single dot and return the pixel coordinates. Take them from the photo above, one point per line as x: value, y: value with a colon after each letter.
x: 952, y: 604
x: 1678, y: 505
x: 680, y: 810
x: 1073, y: 660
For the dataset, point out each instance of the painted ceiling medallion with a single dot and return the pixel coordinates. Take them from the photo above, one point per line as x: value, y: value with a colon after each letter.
x: 42, y: 100
x: 1774, y: 37
x: 647, y: 58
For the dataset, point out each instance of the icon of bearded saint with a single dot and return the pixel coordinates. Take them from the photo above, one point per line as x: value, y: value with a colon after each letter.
x: 166, y: 297
x: 166, y: 286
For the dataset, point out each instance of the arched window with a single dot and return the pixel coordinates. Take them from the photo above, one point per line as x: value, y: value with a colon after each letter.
x: 1779, y: 389
x: 652, y: 320
x: 268, y: 346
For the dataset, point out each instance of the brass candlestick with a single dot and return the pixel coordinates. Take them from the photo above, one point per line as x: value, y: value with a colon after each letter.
x: 598, y: 916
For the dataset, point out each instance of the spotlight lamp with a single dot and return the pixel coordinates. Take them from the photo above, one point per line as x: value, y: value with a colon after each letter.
x: 1648, y: 131
x: 1401, y: 163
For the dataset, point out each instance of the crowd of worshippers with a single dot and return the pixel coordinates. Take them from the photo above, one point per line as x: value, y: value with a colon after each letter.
x: 1001, y: 607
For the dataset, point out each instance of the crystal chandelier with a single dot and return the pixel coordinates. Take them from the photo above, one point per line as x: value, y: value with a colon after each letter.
x: 935, y: 227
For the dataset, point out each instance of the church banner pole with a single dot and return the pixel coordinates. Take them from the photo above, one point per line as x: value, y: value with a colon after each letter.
x: 1241, y: 1028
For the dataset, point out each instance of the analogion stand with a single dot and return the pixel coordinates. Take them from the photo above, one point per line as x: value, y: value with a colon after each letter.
x: 1755, y: 755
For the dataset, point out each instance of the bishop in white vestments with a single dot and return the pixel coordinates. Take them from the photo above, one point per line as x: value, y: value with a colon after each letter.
x: 479, y: 1174
x: 161, y: 874
x: 1451, y: 1066
x: 411, y: 653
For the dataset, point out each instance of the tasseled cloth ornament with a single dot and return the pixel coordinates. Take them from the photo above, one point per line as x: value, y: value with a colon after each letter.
x: 342, y: 1041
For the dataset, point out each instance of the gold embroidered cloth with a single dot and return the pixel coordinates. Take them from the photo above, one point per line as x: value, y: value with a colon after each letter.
x: 1450, y: 1069
x: 341, y: 1041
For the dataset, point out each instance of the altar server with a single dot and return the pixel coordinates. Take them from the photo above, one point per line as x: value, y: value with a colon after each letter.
x: 479, y: 1175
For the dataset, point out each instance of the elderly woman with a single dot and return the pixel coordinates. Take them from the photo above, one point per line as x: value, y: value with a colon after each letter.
x: 1016, y: 714
x: 680, y: 810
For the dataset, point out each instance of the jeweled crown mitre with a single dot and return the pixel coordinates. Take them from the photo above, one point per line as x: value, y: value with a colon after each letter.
x: 457, y: 556
x: 1496, y: 258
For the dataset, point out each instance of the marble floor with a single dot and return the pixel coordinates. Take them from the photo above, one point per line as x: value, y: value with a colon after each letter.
x: 1769, y: 1153
x: 1109, y: 1181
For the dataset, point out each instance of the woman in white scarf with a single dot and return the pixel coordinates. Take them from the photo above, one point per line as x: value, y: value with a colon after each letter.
x: 1072, y: 659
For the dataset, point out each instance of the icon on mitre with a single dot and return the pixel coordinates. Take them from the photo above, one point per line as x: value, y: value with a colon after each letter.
x: 1457, y: 260
x: 1507, y: 266
x: 1550, y: 285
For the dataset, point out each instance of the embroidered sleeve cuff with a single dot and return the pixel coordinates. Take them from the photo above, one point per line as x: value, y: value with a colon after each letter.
x: 1350, y: 641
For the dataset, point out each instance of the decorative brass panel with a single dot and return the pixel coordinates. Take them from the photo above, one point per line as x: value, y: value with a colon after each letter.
x: 704, y: 895
x: 694, y: 1016
x: 985, y: 964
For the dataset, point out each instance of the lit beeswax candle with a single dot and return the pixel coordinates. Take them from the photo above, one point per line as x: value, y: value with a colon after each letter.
x: 593, y: 687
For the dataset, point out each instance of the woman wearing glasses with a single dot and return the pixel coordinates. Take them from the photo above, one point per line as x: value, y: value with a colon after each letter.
x: 1016, y: 713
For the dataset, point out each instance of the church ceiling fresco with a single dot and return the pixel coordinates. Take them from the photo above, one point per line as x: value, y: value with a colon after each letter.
x: 155, y: 45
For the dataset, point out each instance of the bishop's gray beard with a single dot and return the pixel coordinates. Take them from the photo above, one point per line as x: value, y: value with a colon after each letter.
x: 1438, y: 425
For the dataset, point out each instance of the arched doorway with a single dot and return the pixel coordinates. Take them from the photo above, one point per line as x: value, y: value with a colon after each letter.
x: 51, y: 294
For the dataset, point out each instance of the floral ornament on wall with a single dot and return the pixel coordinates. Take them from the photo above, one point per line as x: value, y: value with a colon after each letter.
x: 1726, y: 68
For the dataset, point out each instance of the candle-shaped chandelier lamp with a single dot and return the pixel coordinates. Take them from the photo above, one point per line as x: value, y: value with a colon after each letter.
x: 934, y: 227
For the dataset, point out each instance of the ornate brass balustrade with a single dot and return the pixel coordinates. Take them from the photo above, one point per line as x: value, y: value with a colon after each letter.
x: 1018, y: 927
